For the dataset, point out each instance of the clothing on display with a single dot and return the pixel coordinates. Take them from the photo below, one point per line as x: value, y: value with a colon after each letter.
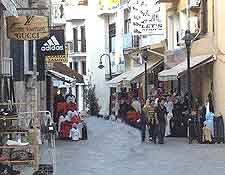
x: 7, y: 170
x: 207, y: 135
x: 218, y: 125
x: 74, y: 134
x: 168, y: 118
x: 70, y: 98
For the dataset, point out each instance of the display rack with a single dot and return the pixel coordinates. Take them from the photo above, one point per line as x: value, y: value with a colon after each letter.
x: 34, y: 146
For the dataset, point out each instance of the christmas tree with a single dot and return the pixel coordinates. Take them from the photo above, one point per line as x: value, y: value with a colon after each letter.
x: 91, y: 101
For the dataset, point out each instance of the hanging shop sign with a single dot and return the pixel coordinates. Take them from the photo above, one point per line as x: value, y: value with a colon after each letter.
x: 53, y: 48
x: 147, y: 17
x: 114, y: 4
x: 108, y: 4
x: 27, y: 27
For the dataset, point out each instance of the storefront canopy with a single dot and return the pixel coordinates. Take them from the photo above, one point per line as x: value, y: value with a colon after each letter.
x: 177, y: 71
x: 132, y: 74
x: 60, y: 76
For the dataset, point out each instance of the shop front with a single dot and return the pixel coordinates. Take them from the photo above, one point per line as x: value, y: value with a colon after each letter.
x: 201, y: 84
x: 130, y: 86
x: 59, y: 79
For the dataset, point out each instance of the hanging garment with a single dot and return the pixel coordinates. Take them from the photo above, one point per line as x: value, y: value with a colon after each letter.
x: 74, y: 134
x: 218, y: 125
x: 168, y: 118
x: 206, y: 135
x: 209, y: 121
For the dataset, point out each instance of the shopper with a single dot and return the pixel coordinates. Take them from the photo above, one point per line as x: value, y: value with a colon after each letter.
x: 143, y: 126
x: 160, y: 122
x: 149, y: 112
x: 124, y: 107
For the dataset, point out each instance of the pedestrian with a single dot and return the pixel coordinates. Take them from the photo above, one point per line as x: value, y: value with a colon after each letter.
x: 124, y: 107
x: 149, y: 112
x: 160, y: 112
x: 143, y: 123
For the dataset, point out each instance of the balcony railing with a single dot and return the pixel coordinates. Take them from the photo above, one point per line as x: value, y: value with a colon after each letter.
x: 7, y: 66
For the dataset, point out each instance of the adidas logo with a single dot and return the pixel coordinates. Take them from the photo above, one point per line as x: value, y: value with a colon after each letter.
x: 52, y: 45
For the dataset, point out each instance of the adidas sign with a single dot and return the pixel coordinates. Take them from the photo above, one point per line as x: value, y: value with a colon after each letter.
x: 52, y: 45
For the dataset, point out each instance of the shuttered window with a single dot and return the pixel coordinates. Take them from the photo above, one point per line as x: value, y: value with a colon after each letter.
x: 83, y: 39
x: 75, y: 39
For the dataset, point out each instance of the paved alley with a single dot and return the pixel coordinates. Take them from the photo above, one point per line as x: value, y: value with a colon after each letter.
x: 115, y: 149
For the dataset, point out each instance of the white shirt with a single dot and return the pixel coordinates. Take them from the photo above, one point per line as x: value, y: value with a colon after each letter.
x: 136, y: 105
x: 74, y: 134
x: 169, y: 106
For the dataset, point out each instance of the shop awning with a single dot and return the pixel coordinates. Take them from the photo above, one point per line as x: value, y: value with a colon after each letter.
x: 132, y: 74
x: 66, y: 71
x: 60, y: 76
x: 177, y: 71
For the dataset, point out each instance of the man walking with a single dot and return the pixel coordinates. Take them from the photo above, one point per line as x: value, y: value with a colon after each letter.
x: 149, y: 112
x: 160, y: 121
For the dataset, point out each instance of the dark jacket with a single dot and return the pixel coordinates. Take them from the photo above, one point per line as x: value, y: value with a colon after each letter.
x: 161, y: 113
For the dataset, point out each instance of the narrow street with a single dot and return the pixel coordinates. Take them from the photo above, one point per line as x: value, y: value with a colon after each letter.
x: 115, y: 149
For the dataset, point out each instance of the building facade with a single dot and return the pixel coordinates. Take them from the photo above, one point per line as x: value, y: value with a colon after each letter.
x: 73, y: 15
x: 203, y: 18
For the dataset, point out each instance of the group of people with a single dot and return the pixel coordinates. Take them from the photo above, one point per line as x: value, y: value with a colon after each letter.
x: 156, y: 115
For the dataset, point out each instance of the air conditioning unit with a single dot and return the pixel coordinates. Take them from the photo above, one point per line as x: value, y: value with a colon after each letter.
x: 195, y: 3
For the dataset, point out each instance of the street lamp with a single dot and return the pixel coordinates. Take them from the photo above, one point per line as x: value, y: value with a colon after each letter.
x: 101, y: 66
x: 145, y: 57
x: 188, y: 39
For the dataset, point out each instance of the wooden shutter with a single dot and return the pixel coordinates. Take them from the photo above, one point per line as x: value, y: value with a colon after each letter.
x: 75, y: 38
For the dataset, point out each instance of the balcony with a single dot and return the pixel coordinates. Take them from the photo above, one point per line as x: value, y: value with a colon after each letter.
x: 7, y: 66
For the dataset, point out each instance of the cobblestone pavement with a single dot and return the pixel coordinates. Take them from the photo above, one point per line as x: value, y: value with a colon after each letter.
x: 115, y: 149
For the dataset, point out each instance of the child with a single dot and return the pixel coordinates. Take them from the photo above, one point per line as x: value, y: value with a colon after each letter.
x: 74, y: 133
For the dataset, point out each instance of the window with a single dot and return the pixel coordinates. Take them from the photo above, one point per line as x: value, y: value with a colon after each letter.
x: 83, y: 39
x: 17, y: 53
x: 71, y: 65
x: 127, y: 27
x: 75, y: 39
x: 112, y: 37
x: 136, y: 41
x: 77, y: 93
x: 30, y: 46
x: 75, y: 66
x: 83, y: 67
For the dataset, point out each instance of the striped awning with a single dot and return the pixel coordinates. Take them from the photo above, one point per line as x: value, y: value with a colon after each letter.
x: 178, y: 70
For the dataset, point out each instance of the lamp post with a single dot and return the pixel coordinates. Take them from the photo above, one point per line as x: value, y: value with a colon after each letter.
x: 188, y: 38
x: 101, y: 66
x: 145, y: 57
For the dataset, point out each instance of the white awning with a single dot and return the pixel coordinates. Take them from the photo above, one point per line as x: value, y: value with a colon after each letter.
x: 178, y: 70
x: 61, y: 76
x: 132, y: 74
